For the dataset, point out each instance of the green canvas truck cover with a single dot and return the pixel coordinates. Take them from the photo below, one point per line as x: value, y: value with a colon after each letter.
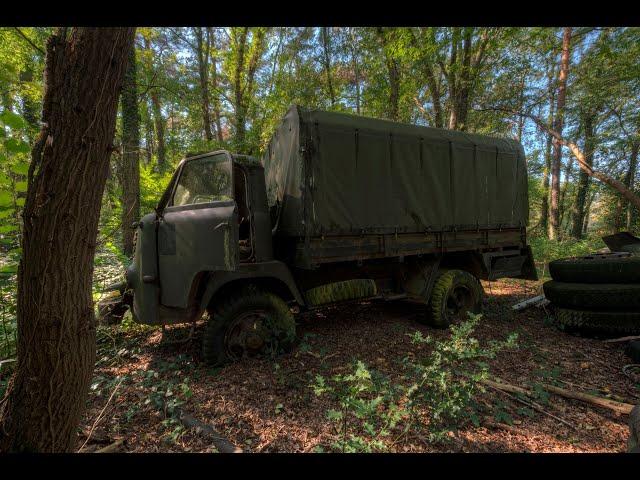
x: 331, y: 173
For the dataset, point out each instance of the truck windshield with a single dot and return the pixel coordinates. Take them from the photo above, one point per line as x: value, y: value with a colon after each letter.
x: 204, y: 180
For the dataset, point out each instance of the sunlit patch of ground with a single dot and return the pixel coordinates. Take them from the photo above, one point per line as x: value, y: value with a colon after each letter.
x: 266, y: 405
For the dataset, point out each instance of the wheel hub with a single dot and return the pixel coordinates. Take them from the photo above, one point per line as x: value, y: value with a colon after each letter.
x: 459, y: 301
x: 247, y: 335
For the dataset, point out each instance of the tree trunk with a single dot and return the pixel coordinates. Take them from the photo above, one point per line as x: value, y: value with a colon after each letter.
x: 356, y: 70
x: 554, y: 224
x: 326, y: 49
x: 587, y: 214
x: 568, y: 172
x: 214, y: 84
x: 239, y: 91
x: 148, y: 134
x: 394, y: 77
x: 202, y: 54
x: 159, y: 129
x: 70, y: 160
x: 130, y: 154
x: 544, y: 215
x: 629, y: 180
x: 583, y: 178
x: 158, y: 121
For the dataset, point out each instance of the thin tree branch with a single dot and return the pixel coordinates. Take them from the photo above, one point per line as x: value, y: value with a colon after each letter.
x: 29, y: 40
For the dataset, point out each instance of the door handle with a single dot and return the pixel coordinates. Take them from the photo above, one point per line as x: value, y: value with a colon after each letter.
x: 220, y: 225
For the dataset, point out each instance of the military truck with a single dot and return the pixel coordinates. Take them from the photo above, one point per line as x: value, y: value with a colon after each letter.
x: 339, y: 208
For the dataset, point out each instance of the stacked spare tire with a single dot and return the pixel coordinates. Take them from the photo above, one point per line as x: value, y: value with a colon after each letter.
x: 596, y: 294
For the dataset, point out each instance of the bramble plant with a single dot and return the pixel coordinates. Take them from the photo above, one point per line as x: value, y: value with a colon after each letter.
x: 440, y: 387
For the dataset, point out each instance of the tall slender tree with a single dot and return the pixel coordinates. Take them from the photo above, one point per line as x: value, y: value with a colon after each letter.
x: 130, y: 172
x: 558, y: 125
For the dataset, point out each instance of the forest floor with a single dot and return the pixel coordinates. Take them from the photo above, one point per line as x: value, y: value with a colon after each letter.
x: 264, y: 405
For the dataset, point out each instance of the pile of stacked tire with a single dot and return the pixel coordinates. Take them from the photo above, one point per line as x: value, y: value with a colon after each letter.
x: 596, y: 294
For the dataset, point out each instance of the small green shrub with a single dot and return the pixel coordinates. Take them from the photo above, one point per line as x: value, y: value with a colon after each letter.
x: 435, y: 393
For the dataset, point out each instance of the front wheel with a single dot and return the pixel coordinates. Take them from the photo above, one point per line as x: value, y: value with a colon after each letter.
x: 454, y: 293
x: 249, y: 323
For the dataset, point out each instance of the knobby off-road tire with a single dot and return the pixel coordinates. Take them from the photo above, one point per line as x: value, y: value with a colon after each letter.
x: 597, y: 268
x: 251, y: 322
x: 589, y: 321
x: 454, y: 293
x: 594, y: 296
x: 341, y: 291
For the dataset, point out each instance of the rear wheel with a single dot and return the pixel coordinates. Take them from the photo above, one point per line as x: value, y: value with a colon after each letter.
x: 250, y: 323
x: 454, y: 294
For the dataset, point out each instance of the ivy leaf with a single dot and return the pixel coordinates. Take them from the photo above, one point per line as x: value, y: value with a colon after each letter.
x: 20, y: 202
x: 12, y: 120
x: 21, y: 168
x: 7, y: 228
x: 21, y: 186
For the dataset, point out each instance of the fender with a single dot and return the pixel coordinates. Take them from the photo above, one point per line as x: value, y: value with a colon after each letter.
x: 273, y: 269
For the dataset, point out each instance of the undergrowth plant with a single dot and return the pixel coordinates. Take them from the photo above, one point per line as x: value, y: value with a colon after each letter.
x: 434, y: 395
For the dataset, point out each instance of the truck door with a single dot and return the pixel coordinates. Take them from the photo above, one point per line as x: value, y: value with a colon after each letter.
x: 198, y: 229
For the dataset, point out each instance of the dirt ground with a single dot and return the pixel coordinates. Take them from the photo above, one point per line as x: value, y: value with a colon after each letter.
x: 264, y: 405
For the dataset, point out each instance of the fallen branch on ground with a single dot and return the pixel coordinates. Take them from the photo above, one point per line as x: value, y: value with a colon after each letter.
x: 111, y: 448
x: 622, y: 339
x: 222, y: 444
x: 620, y: 407
x: 95, y: 424
x: 538, y: 301
x: 535, y: 406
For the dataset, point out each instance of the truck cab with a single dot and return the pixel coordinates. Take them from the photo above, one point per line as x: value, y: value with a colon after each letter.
x: 210, y: 228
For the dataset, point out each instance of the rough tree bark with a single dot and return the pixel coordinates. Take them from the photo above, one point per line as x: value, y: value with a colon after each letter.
x: 466, y: 61
x: 70, y: 160
x: 583, y: 178
x: 544, y: 214
x: 394, y: 76
x: 326, y: 50
x: 356, y: 67
x: 203, y: 44
x: 554, y: 213
x: 630, y: 180
x: 130, y: 178
x: 158, y: 121
x: 243, y: 78
x: 214, y: 84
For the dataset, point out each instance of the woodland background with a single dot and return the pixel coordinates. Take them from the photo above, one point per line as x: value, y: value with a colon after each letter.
x: 203, y: 88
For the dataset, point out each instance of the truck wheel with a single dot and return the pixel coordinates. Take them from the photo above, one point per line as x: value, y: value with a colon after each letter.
x: 454, y: 293
x: 589, y: 321
x: 250, y: 323
x: 596, y: 296
x: 597, y: 268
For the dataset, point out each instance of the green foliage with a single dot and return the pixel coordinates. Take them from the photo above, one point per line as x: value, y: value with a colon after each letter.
x: 436, y: 392
x: 545, y: 250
